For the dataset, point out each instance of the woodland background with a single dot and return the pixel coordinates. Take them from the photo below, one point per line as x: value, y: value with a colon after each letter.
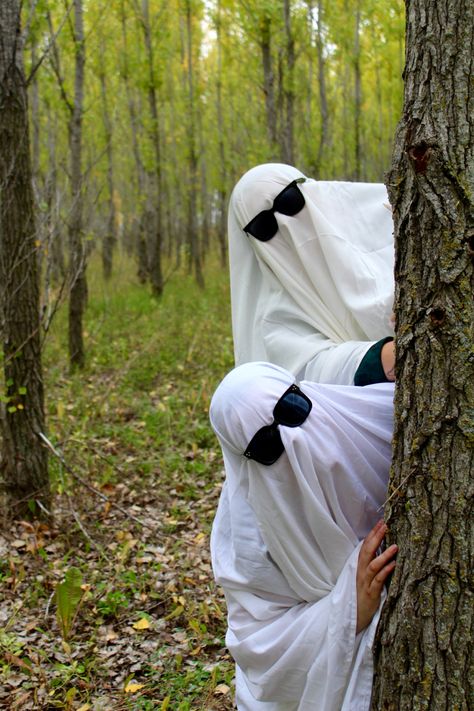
x: 143, y: 116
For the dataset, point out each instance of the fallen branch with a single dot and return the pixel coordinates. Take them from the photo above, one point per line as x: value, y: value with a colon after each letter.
x: 91, y: 488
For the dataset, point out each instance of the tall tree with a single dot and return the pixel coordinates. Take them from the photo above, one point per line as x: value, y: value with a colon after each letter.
x: 288, y: 151
x: 192, y: 222
x: 77, y: 266
x: 425, y: 655
x: 153, y: 212
x: 23, y: 458
x: 109, y: 241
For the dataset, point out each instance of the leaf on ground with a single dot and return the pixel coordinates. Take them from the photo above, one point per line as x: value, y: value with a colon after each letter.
x: 221, y: 690
x: 142, y: 624
x: 133, y: 687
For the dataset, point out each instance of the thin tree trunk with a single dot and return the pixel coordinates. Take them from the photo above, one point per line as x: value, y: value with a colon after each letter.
x: 289, y: 87
x: 154, y: 244
x: 140, y: 236
x: 424, y: 654
x: 192, y: 226
x: 357, y: 98
x: 24, y: 465
x: 222, y: 205
x: 109, y: 241
x: 77, y: 267
x: 323, y: 103
x: 265, y: 38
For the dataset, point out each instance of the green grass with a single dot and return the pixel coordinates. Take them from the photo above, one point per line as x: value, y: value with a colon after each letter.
x: 134, y: 426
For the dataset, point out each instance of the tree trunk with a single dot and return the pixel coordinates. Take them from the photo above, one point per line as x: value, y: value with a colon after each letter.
x: 323, y: 103
x: 139, y: 229
x: 24, y: 465
x: 357, y: 97
x: 109, y: 241
x: 222, y: 207
x: 77, y: 267
x: 424, y: 652
x: 289, y: 87
x: 154, y: 251
x: 265, y: 36
x: 192, y: 224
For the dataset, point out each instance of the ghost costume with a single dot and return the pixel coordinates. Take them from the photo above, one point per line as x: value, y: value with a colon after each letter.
x: 286, y: 538
x: 319, y: 294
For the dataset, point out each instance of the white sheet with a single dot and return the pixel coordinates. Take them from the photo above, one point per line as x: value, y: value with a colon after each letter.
x: 315, y: 297
x: 285, y: 539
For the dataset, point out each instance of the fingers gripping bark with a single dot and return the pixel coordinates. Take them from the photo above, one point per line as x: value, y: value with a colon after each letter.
x: 372, y: 572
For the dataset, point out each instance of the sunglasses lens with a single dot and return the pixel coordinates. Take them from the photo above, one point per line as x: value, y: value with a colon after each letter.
x: 290, y: 201
x: 265, y: 446
x: 263, y: 226
x: 292, y: 409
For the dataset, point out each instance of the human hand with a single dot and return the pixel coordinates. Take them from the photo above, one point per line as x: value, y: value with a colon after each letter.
x: 372, y: 572
x: 387, y: 356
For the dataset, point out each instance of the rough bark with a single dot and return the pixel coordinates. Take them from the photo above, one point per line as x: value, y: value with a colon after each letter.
x: 77, y: 266
x: 23, y: 459
x: 155, y: 240
x: 424, y: 653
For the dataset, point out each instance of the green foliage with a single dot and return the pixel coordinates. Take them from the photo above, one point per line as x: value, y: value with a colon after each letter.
x: 134, y: 425
x: 68, y: 598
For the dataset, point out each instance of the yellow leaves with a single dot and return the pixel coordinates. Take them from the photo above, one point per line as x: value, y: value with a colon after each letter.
x: 132, y: 687
x: 165, y: 704
x: 200, y: 539
x: 142, y: 624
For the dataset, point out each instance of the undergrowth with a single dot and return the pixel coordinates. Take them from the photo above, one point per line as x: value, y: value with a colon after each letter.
x: 135, y: 490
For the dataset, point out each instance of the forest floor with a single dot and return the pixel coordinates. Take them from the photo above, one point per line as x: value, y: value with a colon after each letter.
x: 110, y: 603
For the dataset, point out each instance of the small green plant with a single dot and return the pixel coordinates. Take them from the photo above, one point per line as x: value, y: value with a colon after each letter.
x: 112, y: 603
x: 69, y: 595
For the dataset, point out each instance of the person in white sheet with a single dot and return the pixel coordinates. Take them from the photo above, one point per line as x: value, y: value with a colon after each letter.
x: 311, y: 269
x: 295, y: 538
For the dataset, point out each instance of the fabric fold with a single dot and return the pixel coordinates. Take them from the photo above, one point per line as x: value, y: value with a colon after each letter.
x: 286, y: 537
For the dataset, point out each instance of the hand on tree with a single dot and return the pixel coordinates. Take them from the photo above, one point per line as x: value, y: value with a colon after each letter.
x: 372, y: 572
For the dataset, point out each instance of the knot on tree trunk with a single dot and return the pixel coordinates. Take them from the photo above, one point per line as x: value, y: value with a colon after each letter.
x: 420, y: 155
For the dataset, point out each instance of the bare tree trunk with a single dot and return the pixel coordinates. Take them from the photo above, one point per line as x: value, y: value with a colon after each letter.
x: 357, y: 97
x: 77, y: 267
x: 109, y: 241
x: 154, y: 244
x: 323, y: 103
x: 140, y: 236
x: 265, y: 38
x: 24, y: 464
x: 192, y: 225
x: 424, y: 654
x: 289, y: 87
x: 222, y: 207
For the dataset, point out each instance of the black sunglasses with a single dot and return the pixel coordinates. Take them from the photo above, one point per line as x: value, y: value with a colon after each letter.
x: 291, y: 410
x: 289, y: 202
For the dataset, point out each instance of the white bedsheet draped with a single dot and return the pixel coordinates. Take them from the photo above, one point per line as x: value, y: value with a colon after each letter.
x: 286, y: 537
x: 315, y: 297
